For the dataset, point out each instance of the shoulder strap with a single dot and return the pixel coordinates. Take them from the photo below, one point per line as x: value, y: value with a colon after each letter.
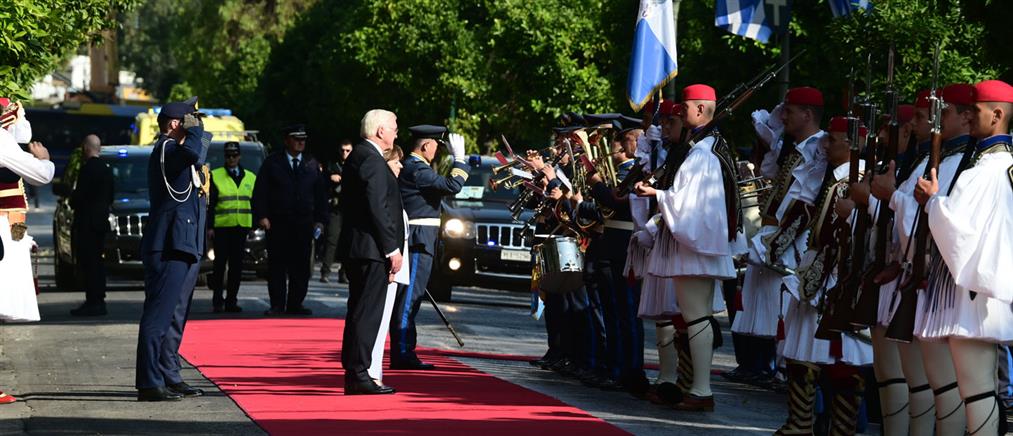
x: 1009, y: 172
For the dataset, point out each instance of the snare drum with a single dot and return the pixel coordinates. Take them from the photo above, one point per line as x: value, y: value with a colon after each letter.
x: 561, y: 263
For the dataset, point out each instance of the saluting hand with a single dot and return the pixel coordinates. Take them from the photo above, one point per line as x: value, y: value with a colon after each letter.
x: 38, y: 150
x: 926, y: 188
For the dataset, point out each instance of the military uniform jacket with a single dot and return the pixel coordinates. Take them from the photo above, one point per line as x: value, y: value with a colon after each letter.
x: 176, y: 222
x: 284, y: 195
x: 422, y: 191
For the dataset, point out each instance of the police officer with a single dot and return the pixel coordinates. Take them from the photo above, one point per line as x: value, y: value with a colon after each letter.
x: 230, y: 216
x: 422, y: 189
x: 171, y: 249
x: 290, y: 203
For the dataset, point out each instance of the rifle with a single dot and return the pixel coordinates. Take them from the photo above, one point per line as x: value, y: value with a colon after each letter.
x: 867, y: 306
x: 664, y: 174
x: 901, y: 328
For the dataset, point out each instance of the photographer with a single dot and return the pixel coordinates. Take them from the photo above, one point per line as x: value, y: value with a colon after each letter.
x: 334, y: 225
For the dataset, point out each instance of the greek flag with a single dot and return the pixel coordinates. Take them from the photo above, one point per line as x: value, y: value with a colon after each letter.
x: 841, y: 8
x: 653, y: 63
x: 744, y: 18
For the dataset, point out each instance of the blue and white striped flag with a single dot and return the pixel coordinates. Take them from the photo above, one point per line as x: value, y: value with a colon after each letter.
x: 653, y: 63
x: 841, y: 8
x: 744, y: 18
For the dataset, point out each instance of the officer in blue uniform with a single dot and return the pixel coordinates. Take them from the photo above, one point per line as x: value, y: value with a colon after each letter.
x: 171, y: 249
x: 422, y: 190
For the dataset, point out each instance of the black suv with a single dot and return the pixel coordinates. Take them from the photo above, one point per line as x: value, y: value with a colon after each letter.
x: 129, y: 215
x: 480, y: 243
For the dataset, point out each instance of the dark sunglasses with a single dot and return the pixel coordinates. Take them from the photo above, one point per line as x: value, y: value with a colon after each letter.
x: 231, y: 154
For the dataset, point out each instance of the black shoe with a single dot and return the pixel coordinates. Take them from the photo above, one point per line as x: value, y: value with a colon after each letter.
x: 274, y: 311
x: 324, y: 279
x: 608, y: 384
x: 233, y: 308
x: 217, y: 308
x: 90, y: 309
x: 412, y: 366
x: 637, y: 385
x: 157, y: 394
x: 300, y: 310
x: 342, y: 278
x: 368, y: 387
x: 548, y: 363
x: 185, y: 390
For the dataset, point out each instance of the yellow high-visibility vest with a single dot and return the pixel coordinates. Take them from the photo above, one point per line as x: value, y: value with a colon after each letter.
x: 233, y: 208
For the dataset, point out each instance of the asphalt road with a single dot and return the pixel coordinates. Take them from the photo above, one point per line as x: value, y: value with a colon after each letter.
x: 77, y: 374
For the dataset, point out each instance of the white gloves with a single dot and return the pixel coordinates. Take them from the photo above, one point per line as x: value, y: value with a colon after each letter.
x: 768, y: 126
x: 644, y: 239
x: 455, y: 143
x: 653, y: 133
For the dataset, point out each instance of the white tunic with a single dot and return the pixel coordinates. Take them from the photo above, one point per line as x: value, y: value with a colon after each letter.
x: 762, y: 299
x: 802, y: 319
x: 973, y: 230
x: 34, y: 171
x: 693, y: 209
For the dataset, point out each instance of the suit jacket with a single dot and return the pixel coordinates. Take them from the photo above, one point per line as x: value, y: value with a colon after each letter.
x: 92, y: 196
x: 176, y: 225
x: 373, y: 225
x: 284, y: 195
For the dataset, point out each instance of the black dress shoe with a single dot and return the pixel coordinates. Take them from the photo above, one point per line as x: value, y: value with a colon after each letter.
x: 368, y: 387
x: 217, y: 308
x: 413, y: 366
x: 185, y: 390
x: 90, y: 309
x: 274, y: 311
x: 233, y: 308
x: 157, y: 394
x: 299, y: 311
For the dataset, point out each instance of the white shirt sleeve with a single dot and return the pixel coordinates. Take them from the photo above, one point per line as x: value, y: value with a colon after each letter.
x: 34, y: 171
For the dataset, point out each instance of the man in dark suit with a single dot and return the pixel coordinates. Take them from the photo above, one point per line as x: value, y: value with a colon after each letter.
x: 370, y: 245
x: 91, y: 200
x: 171, y: 249
x: 290, y: 203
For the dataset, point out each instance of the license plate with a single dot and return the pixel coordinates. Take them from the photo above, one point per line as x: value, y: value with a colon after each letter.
x: 516, y: 255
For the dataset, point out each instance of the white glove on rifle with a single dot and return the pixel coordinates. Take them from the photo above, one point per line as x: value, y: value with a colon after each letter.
x: 455, y: 143
x: 652, y: 224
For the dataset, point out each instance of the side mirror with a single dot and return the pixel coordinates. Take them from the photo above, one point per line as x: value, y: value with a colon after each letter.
x: 61, y: 189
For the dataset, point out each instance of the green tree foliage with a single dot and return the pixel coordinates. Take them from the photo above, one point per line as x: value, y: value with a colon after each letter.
x: 36, y: 36
x: 512, y: 66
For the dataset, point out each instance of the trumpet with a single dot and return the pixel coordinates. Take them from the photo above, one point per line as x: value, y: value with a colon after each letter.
x: 509, y: 182
x: 499, y: 169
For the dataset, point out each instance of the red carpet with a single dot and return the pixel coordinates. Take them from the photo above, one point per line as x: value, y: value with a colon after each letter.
x: 286, y: 375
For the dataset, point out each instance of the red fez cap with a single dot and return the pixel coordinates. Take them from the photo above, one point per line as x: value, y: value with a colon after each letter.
x: 699, y: 92
x: 840, y: 125
x: 959, y: 94
x: 669, y: 108
x: 905, y: 113
x: 922, y: 100
x: 994, y: 90
x: 804, y: 95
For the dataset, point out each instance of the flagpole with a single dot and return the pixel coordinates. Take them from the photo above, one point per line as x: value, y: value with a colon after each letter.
x: 783, y: 77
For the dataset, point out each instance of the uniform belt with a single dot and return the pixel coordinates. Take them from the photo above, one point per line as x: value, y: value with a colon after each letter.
x: 429, y: 222
x: 620, y: 225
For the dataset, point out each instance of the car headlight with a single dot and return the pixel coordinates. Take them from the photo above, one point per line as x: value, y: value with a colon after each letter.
x: 457, y: 228
x: 256, y: 235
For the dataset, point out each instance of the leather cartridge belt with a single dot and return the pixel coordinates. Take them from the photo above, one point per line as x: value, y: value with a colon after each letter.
x: 619, y: 225
x: 426, y: 222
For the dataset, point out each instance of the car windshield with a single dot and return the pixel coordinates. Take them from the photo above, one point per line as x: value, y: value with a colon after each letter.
x: 477, y: 186
x: 130, y: 172
x: 251, y: 155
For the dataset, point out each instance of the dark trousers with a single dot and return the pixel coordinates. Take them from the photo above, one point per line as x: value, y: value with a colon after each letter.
x: 554, y: 326
x: 367, y: 290
x: 331, y: 243
x: 403, y: 334
x: 583, y: 329
x: 289, y: 246
x: 169, y: 279
x: 229, y: 243
x: 606, y: 294
x: 88, y: 246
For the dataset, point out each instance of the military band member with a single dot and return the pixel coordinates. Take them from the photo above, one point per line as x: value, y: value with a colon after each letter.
x: 422, y: 190
x: 778, y: 246
x: 805, y: 355
x: 704, y: 232
x: 971, y: 226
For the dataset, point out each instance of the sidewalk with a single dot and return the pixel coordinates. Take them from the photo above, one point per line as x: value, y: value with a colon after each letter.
x: 76, y: 376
